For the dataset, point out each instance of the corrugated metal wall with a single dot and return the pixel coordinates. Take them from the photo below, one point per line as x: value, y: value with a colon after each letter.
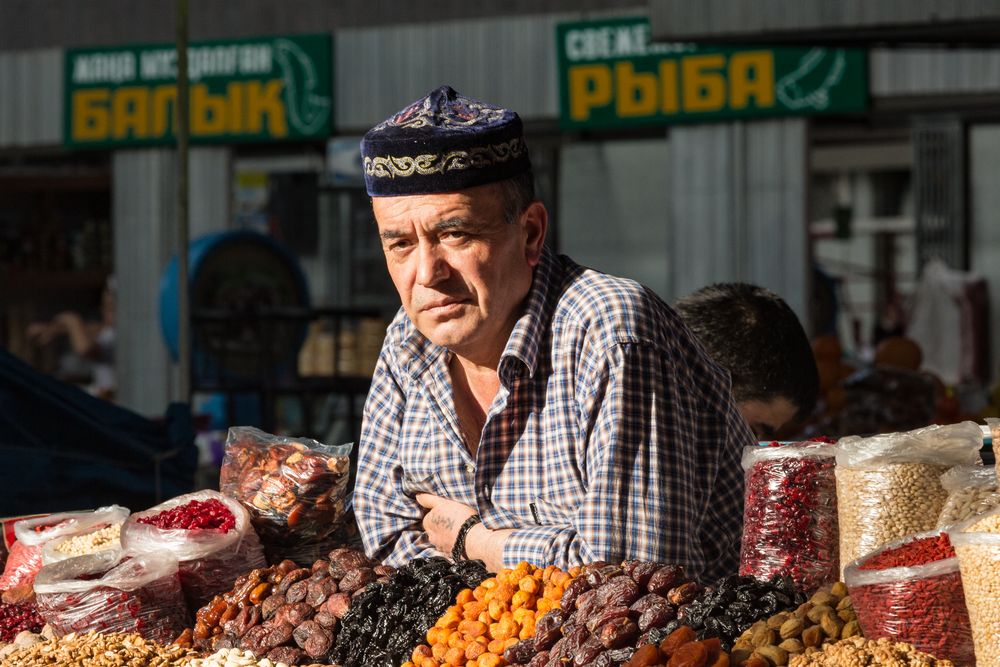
x: 738, y: 207
x: 31, y: 101
x: 687, y: 20
x: 906, y: 72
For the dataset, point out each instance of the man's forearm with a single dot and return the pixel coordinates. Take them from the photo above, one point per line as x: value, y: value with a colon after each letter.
x: 487, y: 545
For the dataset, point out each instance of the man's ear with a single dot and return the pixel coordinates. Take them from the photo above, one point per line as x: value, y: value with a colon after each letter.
x: 535, y: 220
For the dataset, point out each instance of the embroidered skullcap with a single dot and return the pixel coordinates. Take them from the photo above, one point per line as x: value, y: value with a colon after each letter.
x: 443, y: 143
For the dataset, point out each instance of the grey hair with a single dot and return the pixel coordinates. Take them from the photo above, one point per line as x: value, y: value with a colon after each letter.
x: 517, y: 193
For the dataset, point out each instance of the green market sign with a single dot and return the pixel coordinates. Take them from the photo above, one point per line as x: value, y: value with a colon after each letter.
x: 611, y: 76
x: 265, y: 89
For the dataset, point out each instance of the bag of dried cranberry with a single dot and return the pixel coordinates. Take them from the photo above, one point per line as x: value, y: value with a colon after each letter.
x: 113, y: 591
x: 790, y: 513
x: 294, y: 488
x: 25, y: 558
x: 911, y: 591
x: 207, y: 532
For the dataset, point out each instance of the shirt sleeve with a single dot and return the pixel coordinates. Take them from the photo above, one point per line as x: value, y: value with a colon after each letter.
x: 389, y: 519
x: 650, y: 474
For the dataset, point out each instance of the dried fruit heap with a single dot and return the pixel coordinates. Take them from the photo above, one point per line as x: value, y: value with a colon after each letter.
x: 493, y: 617
x: 733, y: 604
x: 15, y: 618
x: 286, y: 613
x: 195, y: 515
x: 388, y: 620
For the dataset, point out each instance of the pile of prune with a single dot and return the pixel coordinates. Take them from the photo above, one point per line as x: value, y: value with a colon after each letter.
x: 606, y: 613
x: 731, y: 605
x: 389, y: 619
x: 286, y: 613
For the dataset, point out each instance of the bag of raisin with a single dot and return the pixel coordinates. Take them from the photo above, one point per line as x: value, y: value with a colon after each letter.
x: 294, y: 489
x: 112, y: 591
x: 207, y: 532
x: 790, y: 514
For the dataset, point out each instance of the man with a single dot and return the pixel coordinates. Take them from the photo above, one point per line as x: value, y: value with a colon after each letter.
x: 525, y: 408
x: 754, y: 335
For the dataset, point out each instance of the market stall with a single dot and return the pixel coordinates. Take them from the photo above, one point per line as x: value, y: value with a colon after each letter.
x: 882, y: 550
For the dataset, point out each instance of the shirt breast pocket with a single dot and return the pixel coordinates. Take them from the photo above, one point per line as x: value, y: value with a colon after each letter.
x: 548, y: 513
x: 423, y: 482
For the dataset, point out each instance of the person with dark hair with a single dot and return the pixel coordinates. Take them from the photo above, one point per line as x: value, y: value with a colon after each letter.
x: 752, y: 333
x: 526, y: 408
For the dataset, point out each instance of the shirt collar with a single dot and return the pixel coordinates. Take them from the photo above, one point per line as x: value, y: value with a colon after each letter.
x: 417, y: 354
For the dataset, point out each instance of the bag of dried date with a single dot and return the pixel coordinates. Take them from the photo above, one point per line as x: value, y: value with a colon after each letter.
x: 294, y: 489
x: 207, y: 532
x: 790, y: 513
x: 25, y: 557
x: 113, y: 591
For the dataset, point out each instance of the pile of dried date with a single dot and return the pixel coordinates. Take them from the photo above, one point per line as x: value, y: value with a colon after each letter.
x: 606, y: 612
x: 286, y: 613
x: 391, y: 618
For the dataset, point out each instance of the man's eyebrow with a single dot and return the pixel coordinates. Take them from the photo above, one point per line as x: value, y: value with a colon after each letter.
x: 453, y: 223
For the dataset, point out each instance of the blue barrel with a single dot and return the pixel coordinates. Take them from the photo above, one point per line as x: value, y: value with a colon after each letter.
x: 239, y: 271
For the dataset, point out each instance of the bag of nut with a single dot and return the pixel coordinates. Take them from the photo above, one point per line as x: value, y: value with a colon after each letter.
x: 25, y: 559
x: 112, y: 591
x: 207, y: 532
x: 889, y: 486
x: 911, y: 591
x: 294, y: 489
x: 972, y: 490
x: 977, y: 543
x: 99, y: 533
x: 994, y: 425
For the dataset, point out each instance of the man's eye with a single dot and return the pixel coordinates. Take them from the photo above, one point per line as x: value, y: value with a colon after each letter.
x: 399, y: 245
x: 455, y: 235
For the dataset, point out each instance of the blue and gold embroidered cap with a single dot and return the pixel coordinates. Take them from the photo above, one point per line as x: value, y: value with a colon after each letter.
x: 443, y: 143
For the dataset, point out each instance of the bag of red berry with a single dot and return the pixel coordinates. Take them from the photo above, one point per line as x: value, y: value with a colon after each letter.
x: 911, y: 591
x: 112, y: 591
x: 207, y: 532
x: 790, y: 513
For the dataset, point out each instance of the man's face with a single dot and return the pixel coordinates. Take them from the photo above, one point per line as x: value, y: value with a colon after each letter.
x: 766, y: 418
x: 461, y: 269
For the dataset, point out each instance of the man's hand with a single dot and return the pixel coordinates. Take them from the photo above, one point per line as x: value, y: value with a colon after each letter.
x: 443, y: 519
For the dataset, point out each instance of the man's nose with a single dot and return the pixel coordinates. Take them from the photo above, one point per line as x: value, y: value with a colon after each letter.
x: 431, y: 266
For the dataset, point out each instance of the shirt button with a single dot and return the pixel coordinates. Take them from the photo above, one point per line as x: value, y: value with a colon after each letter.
x: 486, y: 490
x: 470, y: 468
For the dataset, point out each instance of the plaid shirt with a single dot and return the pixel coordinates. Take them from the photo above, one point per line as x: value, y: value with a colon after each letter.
x: 612, y: 436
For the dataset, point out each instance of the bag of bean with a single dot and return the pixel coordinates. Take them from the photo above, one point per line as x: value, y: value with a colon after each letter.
x: 911, y: 591
x: 972, y: 490
x: 100, y: 533
x: 790, y: 514
x: 207, y: 532
x: 25, y: 558
x: 113, y: 591
x: 294, y: 489
x: 977, y: 543
x: 889, y: 486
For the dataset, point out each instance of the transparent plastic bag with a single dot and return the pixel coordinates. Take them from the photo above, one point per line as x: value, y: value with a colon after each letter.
x: 977, y: 544
x: 790, y: 514
x: 921, y: 604
x: 994, y: 425
x: 113, y: 591
x: 972, y: 490
x: 889, y: 486
x: 293, y: 488
x: 210, y: 559
x: 25, y: 559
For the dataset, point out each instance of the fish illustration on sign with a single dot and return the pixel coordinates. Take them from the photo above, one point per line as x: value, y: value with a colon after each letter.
x: 307, y: 111
x: 808, y: 86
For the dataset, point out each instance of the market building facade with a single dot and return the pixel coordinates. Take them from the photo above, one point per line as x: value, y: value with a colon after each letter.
x: 668, y: 162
